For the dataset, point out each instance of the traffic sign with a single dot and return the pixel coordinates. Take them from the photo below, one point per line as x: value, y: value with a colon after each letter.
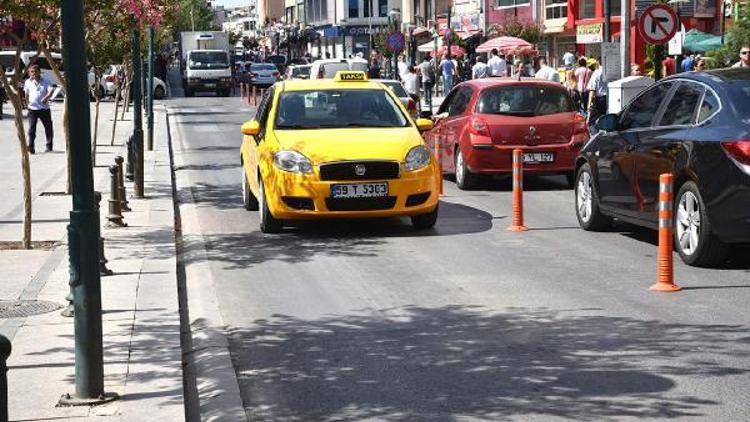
x: 658, y: 24
x: 395, y: 42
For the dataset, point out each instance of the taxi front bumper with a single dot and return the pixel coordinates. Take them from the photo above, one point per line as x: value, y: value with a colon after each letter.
x: 296, y: 196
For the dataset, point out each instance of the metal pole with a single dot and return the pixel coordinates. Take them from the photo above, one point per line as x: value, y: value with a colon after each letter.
x: 724, y: 19
x: 150, y: 89
x: 137, y: 113
x: 83, y: 231
x: 625, y: 38
x: 5, y: 349
x: 607, y: 17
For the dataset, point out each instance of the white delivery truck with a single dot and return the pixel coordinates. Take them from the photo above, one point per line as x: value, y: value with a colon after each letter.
x: 205, y: 62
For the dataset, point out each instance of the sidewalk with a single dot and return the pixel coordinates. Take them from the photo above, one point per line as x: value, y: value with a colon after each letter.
x: 142, y: 353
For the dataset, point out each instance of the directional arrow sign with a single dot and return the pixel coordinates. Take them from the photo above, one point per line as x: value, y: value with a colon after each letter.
x: 658, y: 24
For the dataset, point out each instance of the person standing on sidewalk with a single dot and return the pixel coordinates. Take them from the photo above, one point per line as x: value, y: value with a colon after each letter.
x: 448, y: 69
x: 38, y: 91
x: 426, y: 70
x: 497, y: 64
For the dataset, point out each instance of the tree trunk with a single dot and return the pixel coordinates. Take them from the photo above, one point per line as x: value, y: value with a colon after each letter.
x: 96, y: 128
x: 114, y: 122
x: 126, y: 98
x: 15, y: 98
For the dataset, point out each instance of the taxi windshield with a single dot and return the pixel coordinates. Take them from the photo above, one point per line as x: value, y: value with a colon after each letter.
x: 327, y: 109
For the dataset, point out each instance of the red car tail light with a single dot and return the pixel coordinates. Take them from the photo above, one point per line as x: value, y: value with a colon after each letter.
x: 478, y: 126
x: 579, y: 125
x: 739, y: 150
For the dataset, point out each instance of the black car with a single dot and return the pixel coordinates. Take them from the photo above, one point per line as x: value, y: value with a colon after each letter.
x: 695, y: 125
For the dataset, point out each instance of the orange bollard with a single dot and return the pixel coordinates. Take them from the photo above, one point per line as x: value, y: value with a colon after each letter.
x: 517, y: 224
x: 664, y: 264
x: 439, y: 158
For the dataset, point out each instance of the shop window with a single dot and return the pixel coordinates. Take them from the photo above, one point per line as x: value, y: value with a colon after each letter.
x: 556, y: 9
x: 614, y: 7
x: 353, y: 8
x: 511, y: 3
x: 367, y: 8
x: 382, y: 8
x: 586, y: 9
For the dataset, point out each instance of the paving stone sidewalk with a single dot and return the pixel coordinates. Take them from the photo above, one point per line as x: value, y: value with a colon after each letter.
x: 142, y: 354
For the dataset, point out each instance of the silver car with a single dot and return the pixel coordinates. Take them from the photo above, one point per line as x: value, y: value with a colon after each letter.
x: 263, y: 74
x: 398, y: 89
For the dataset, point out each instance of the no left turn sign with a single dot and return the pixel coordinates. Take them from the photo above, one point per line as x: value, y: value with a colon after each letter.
x: 658, y: 24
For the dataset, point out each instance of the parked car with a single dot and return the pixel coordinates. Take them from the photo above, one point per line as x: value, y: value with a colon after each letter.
x: 482, y: 121
x: 327, y: 68
x: 297, y: 72
x: 263, y: 74
x: 109, y: 81
x: 695, y: 125
x: 398, y: 88
x: 278, y: 60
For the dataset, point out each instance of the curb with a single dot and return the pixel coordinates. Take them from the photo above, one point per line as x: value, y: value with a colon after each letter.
x: 210, y: 378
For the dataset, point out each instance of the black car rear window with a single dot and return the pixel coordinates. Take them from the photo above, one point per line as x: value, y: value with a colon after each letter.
x: 733, y: 74
x: 524, y: 101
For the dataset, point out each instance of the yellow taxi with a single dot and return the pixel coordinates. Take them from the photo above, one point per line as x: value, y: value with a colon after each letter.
x: 337, y: 148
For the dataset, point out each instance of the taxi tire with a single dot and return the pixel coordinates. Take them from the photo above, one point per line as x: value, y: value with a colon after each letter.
x: 465, y: 179
x: 268, y: 224
x: 425, y: 221
x: 597, y: 221
x: 249, y: 201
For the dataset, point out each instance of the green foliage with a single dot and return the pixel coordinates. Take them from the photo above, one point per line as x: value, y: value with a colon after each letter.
x: 181, y: 20
x: 513, y: 27
x: 734, y: 38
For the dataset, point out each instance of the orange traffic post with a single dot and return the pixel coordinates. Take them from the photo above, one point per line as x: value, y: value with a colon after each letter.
x: 517, y: 224
x: 664, y: 264
x: 439, y: 158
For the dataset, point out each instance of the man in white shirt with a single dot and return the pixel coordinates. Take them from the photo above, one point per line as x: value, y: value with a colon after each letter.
x: 403, y: 67
x: 569, y: 59
x: 547, y: 73
x: 598, y: 95
x: 744, y: 57
x: 496, y: 64
x: 479, y: 70
x: 38, y: 91
x: 410, y: 81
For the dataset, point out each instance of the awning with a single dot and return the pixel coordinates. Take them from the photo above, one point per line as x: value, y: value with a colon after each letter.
x: 698, y: 41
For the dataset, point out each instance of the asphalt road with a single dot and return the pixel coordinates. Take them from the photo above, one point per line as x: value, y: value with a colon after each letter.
x: 370, y: 320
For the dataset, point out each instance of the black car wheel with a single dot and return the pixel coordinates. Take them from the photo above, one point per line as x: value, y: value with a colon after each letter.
x: 268, y: 223
x: 694, y: 240
x: 465, y: 179
x: 425, y: 221
x: 587, y: 202
x: 249, y: 201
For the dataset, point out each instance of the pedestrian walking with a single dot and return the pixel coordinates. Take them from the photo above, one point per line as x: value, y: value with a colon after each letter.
x: 569, y: 58
x: 403, y: 67
x: 448, y: 70
x: 700, y: 64
x: 597, y: 87
x: 583, y: 75
x: 480, y: 70
x: 744, y: 57
x: 498, y: 65
x: 427, y: 71
x: 373, y: 71
x: 411, y: 83
x: 571, y: 84
x: 38, y: 91
x: 669, y: 66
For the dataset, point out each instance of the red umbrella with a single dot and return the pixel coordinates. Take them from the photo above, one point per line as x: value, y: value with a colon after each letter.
x: 507, y: 45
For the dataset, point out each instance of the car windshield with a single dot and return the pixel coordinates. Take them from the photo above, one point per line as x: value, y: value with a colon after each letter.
x: 397, y: 88
x: 276, y: 59
x: 329, y: 69
x: 267, y: 67
x: 301, y: 71
x: 524, y: 101
x: 327, y: 109
x: 208, y: 60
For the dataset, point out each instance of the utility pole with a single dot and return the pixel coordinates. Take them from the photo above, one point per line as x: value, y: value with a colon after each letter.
x: 83, y: 230
x: 137, y: 112
x: 625, y: 38
x: 607, y: 17
x: 150, y: 90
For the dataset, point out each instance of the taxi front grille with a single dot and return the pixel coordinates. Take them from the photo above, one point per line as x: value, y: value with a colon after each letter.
x: 360, y: 170
x: 361, y: 204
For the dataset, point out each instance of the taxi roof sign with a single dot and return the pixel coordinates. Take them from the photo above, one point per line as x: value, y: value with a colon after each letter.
x: 350, y: 76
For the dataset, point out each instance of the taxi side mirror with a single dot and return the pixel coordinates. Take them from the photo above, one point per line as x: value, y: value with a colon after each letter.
x: 424, y: 124
x: 251, y: 128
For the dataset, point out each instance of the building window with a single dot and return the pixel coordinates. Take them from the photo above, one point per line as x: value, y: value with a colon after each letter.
x: 301, y: 12
x: 556, y: 9
x: 367, y: 6
x: 353, y: 8
x: 614, y: 7
x: 586, y: 9
x: 511, y: 3
x: 383, y: 8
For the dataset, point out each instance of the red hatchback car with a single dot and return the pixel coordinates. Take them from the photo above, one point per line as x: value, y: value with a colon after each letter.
x: 481, y: 121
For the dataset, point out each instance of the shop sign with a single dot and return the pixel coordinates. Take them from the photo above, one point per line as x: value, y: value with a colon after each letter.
x: 589, y: 34
x: 359, y: 30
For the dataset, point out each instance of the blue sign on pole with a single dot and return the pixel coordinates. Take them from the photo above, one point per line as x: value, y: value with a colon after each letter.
x: 395, y: 42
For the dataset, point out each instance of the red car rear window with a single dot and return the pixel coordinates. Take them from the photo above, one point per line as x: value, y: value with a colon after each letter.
x: 524, y: 101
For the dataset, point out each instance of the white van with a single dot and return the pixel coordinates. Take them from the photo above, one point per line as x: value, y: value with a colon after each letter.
x: 327, y: 68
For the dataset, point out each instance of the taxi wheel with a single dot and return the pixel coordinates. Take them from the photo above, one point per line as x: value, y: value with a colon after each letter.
x: 268, y: 224
x: 587, y: 202
x: 425, y: 221
x: 465, y: 179
x: 248, y: 199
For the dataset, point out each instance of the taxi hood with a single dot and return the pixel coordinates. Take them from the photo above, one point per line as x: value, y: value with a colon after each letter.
x: 324, y: 145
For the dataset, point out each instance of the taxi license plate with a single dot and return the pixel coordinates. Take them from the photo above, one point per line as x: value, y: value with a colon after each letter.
x: 360, y: 190
x: 538, y: 157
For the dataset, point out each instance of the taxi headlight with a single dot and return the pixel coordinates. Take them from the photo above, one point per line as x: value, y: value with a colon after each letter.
x: 418, y: 157
x: 292, y: 161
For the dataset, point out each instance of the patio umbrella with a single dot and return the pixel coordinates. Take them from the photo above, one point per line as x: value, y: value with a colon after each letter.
x: 507, y: 45
x: 698, y: 41
x: 429, y: 47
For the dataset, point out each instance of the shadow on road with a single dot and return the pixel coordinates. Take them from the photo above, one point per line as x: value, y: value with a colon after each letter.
x: 422, y: 364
